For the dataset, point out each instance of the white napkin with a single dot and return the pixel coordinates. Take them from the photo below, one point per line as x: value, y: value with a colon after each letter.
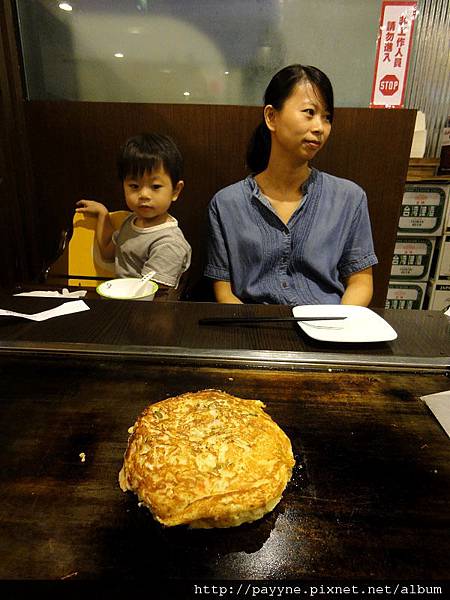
x: 439, y: 404
x: 66, y: 308
x: 64, y: 293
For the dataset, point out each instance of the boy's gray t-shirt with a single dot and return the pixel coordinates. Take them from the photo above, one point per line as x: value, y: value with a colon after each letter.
x: 162, y: 249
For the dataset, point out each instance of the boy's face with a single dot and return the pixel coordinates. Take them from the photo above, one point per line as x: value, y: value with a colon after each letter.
x: 150, y: 196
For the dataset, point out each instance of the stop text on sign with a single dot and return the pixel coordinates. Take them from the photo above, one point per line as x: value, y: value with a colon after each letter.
x: 389, y: 85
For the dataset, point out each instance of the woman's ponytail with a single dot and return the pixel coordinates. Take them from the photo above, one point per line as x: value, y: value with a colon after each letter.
x: 258, y: 150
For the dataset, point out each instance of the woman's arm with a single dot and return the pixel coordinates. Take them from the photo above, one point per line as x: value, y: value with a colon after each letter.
x: 358, y: 288
x: 104, y: 230
x: 223, y: 293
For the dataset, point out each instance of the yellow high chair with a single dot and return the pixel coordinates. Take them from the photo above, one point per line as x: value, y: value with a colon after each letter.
x: 81, y: 263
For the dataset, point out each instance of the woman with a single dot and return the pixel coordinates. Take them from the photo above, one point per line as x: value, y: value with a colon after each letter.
x: 288, y: 233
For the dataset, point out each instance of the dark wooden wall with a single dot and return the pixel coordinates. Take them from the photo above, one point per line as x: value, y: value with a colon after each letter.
x: 20, y: 254
x: 74, y: 147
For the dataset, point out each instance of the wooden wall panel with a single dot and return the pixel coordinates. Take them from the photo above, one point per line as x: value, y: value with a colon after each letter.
x: 20, y: 253
x: 74, y: 147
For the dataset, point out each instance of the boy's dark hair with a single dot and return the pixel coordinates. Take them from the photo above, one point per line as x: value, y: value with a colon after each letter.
x: 277, y: 92
x: 147, y: 151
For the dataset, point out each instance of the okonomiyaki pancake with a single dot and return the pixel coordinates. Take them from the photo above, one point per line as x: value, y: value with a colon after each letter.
x: 207, y: 459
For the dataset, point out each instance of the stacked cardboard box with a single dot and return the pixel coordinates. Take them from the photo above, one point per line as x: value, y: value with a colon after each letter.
x: 406, y: 294
x: 420, y: 230
x: 439, y: 286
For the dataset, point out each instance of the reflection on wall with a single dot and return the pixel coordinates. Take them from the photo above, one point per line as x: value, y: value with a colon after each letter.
x: 163, y: 57
x: 48, y: 53
x: 198, y: 51
x: 339, y: 37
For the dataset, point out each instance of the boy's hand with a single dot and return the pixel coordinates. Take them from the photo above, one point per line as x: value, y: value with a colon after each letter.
x: 91, y: 207
x: 104, y: 229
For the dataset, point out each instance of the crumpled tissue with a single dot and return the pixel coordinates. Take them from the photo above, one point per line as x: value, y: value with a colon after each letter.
x: 63, y: 294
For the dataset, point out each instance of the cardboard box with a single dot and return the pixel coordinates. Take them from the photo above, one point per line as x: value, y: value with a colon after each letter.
x: 443, y: 261
x: 423, y: 210
x: 420, y: 136
x: 412, y: 258
x: 447, y: 216
x: 422, y: 168
x: 403, y: 295
x: 439, y: 295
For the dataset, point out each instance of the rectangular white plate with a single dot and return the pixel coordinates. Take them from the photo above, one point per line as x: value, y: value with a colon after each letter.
x: 361, y: 324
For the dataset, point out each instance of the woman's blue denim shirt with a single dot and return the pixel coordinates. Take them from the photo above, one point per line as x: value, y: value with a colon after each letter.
x: 327, y: 238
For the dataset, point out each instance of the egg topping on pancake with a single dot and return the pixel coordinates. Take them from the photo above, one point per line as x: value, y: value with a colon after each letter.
x: 207, y: 459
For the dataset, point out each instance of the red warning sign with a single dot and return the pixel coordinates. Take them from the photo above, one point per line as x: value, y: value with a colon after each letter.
x: 393, y: 48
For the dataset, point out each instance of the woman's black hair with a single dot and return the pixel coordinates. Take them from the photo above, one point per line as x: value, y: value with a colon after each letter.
x: 147, y: 151
x: 277, y: 92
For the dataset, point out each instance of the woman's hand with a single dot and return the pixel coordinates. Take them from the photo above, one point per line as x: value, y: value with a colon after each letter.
x: 91, y: 207
x: 224, y: 294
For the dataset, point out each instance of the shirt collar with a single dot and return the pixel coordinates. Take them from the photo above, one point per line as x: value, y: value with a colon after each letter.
x: 171, y: 222
x: 251, y: 181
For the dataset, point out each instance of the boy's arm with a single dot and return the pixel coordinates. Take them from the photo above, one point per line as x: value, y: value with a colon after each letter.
x: 359, y: 288
x: 224, y: 294
x: 104, y: 229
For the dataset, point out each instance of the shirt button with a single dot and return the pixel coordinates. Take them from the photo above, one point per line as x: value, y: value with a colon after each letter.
x: 285, y: 284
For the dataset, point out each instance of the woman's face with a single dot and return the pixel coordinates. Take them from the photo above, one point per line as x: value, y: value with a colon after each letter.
x: 302, y: 126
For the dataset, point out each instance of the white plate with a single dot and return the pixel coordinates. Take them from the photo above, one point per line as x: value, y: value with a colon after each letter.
x: 361, y: 324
